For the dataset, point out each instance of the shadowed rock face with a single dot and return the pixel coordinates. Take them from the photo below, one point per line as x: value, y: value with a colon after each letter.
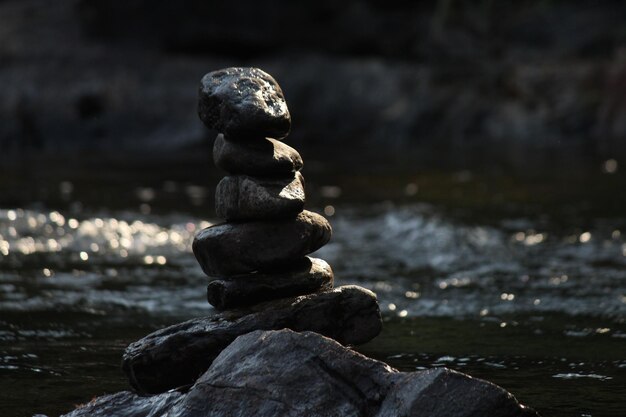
x: 177, y: 355
x: 262, y: 157
x: 243, y: 103
x: 309, y: 276
x: 284, y: 373
x: 237, y: 248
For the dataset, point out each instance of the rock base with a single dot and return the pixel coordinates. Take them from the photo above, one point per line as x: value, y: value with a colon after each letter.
x: 284, y: 373
x: 177, y: 355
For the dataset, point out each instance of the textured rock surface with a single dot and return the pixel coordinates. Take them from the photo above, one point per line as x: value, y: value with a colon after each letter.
x: 127, y: 404
x: 240, y: 197
x: 177, y: 355
x: 237, y: 248
x: 263, y: 157
x: 243, y: 103
x: 242, y: 290
x: 283, y: 373
x: 318, y: 377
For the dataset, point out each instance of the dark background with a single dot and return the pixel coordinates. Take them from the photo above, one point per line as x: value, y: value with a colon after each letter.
x: 508, y: 118
x: 105, y: 92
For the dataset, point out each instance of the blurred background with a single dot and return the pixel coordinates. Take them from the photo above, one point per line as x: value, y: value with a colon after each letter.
x: 470, y: 155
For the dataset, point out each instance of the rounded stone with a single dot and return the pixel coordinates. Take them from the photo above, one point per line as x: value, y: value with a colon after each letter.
x: 309, y: 276
x: 228, y: 249
x: 263, y: 157
x: 243, y: 103
x: 239, y: 197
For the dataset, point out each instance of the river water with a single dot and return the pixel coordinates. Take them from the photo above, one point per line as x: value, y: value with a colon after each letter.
x: 534, y: 302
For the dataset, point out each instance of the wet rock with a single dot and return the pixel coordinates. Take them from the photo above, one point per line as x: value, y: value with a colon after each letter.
x: 127, y: 404
x: 228, y: 249
x: 263, y: 157
x: 284, y: 373
x: 240, y: 197
x: 304, y: 374
x: 242, y: 290
x: 243, y: 103
x: 441, y: 392
x: 177, y: 355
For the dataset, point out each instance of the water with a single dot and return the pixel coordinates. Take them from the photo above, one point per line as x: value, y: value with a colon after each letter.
x: 536, y: 304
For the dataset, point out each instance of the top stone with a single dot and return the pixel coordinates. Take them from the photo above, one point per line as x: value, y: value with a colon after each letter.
x: 243, y: 103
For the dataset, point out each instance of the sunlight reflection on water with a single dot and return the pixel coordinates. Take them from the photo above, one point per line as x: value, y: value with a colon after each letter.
x: 76, y: 278
x: 417, y: 261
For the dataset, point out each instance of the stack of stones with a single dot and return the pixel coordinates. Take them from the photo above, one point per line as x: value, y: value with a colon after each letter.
x: 261, y: 276
x: 259, y: 253
x: 229, y: 364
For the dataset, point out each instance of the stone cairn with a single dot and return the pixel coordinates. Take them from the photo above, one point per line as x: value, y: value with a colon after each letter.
x: 261, y: 276
x: 262, y: 354
x: 259, y: 252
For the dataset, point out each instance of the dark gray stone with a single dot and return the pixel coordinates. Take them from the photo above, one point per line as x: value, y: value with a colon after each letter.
x: 243, y: 290
x: 283, y: 373
x: 304, y: 374
x: 127, y: 404
x: 228, y: 249
x: 243, y: 103
x: 177, y: 355
x: 441, y: 392
x: 240, y: 197
x: 263, y: 157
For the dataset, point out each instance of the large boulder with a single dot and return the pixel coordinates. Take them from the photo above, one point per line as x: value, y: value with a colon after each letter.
x: 228, y: 249
x: 284, y: 373
x: 177, y: 355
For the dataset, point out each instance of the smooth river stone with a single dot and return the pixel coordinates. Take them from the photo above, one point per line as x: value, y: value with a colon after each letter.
x: 240, y: 197
x: 177, y: 355
x: 263, y: 157
x: 228, y: 249
x: 242, y: 290
x: 243, y: 103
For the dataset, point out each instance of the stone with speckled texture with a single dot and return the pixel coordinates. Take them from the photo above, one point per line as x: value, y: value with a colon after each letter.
x: 243, y: 103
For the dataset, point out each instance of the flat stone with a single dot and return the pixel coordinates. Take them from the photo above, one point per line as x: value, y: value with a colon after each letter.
x: 240, y: 197
x: 262, y: 157
x: 228, y: 249
x: 243, y: 103
x: 283, y: 373
x: 177, y: 355
x: 242, y: 290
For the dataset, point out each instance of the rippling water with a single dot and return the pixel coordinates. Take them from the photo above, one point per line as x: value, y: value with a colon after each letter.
x: 533, y: 306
